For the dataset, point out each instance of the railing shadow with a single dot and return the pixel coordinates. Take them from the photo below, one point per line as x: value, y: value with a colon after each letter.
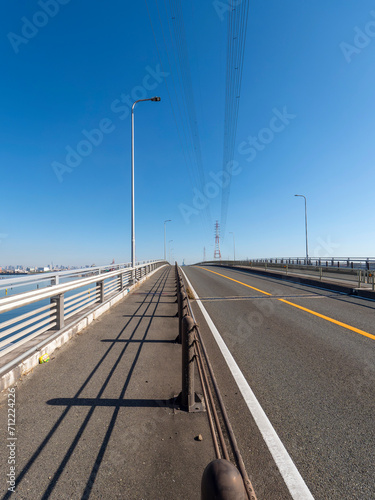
x: 117, y: 403
x: 114, y: 402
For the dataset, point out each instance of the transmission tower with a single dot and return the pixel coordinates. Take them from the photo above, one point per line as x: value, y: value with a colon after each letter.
x: 217, y: 253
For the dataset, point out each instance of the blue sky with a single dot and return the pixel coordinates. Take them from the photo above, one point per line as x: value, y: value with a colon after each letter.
x: 311, y: 61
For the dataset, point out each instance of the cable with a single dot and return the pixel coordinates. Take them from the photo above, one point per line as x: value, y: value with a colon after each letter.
x: 236, y: 41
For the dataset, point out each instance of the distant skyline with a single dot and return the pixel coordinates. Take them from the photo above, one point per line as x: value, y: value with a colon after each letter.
x: 71, y: 71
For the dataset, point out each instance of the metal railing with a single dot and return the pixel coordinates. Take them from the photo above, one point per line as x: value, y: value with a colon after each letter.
x: 221, y: 478
x: 65, y: 300
x: 358, y: 277
x: 345, y: 262
x: 44, y: 279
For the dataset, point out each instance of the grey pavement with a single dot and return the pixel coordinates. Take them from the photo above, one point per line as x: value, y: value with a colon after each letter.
x: 98, y: 420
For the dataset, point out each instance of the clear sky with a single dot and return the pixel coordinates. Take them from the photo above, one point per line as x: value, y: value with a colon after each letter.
x: 305, y: 126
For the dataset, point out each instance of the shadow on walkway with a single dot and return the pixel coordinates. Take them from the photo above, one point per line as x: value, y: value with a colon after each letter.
x: 87, y: 419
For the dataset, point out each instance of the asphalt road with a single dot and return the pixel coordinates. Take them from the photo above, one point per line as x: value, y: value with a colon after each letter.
x: 309, y: 357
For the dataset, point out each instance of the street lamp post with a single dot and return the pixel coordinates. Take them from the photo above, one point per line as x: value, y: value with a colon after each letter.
x: 156, y: 99
x: 165, y: 248
x: 307, y: 247
x: 169, y: 249
x: 234, y: 246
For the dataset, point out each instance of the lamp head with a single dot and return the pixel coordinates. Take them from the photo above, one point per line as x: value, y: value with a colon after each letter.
x: 156, y: 99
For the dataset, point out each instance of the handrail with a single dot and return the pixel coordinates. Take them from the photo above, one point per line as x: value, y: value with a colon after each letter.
x: 17, y: 280
x: 328, y: 262
x: 26, y: 298
x: 13, y: 332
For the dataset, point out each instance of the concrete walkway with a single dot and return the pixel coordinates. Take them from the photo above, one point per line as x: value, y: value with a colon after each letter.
x: 98, y: 420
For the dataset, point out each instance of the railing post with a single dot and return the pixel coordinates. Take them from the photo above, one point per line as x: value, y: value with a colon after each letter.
x: 320, y: 273
x: 59, y: 301
x: 359, y: 278
x: 188, y: 353
x: 100, y: 284
x: 182, y: 311
x: 121, y: 276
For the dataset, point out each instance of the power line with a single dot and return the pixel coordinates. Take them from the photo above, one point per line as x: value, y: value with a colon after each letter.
x: 184, y: 111
x: 236, y: 41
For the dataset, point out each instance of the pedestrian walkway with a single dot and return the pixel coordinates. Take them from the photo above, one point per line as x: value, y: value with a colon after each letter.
x: 98, y: 420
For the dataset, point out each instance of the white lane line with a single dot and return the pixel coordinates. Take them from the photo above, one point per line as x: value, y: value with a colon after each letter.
x: 289, y: 472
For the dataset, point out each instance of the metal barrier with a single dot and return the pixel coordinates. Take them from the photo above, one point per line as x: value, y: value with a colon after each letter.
x: 63, y: 304
x: 188, y: 399
x: 44, y: 279
x: 214, y: 484
x: 354, y: 274
x: 364, y: 263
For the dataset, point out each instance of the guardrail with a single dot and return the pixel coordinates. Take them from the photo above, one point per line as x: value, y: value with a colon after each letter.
x: 63, y: 302
x: 338, y: 262
x: 220, y: 479
x: 43, y: 279
x: 358, y: 277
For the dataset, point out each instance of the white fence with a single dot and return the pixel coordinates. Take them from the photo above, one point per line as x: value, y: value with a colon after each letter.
x: 96, y: 286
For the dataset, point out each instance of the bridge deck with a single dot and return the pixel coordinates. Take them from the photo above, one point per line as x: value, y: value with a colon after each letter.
x: 97, y: 420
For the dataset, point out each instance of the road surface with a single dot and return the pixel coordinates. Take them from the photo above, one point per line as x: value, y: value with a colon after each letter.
x: 308, y: 356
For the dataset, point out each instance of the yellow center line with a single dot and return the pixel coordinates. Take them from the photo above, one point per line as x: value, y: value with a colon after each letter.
x: 331, y: 320
x: 240, y: 282
x: 344, y: 325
